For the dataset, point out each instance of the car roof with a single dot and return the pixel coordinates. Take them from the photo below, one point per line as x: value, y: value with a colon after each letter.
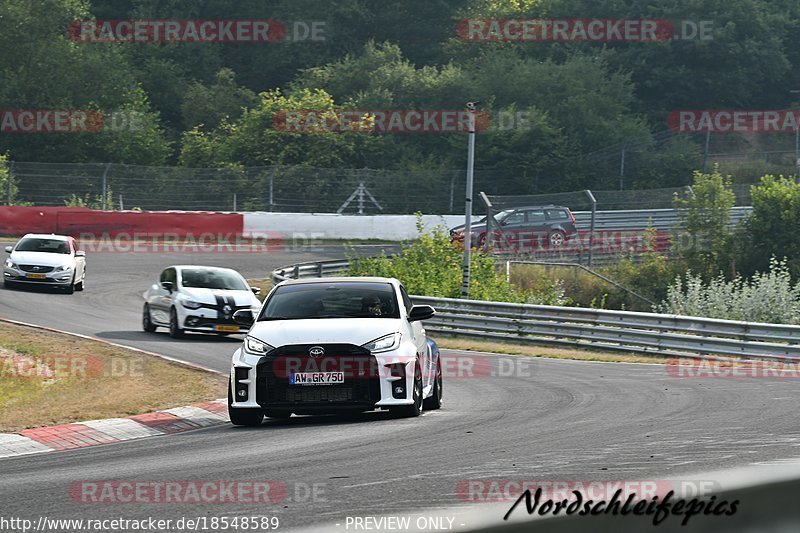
x: 51, y: 236
x: 341, y: 279
x: 201, y: 267
x: 535, y: 207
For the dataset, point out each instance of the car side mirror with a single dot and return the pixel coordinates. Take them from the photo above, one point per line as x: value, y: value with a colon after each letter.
x: 8, y: 249
x: 244, y: 317
x: 420, y: 312
x: 256, y: 290
x: 80, y: 253
x: 167, y: 285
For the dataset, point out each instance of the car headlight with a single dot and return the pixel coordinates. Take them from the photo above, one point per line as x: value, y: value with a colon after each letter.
x: 191, y: 304
x: 383, y: 344
x: 62, y: 268
x: 256, y: 347
x: 10, y: 263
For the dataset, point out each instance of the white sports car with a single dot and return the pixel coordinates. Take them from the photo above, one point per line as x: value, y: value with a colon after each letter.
x: 198, y: 298
x: 325, y: 345
x: 46, y: 259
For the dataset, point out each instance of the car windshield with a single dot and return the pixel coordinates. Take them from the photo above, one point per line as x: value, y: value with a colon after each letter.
x: 53, y: 246
x: 332, y: 300
x: 212, y: 279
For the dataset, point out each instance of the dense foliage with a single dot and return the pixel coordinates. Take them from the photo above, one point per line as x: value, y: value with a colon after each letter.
x: 432, y: 266
x: 583, y: 103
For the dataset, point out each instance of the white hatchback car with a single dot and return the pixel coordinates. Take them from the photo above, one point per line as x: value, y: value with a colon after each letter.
x: 324, y: 345
x: 45, y: 259
x: 198, y: 298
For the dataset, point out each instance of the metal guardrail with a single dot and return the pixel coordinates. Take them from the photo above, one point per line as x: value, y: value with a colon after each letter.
x: 638, y: 333
x: 663, y: 219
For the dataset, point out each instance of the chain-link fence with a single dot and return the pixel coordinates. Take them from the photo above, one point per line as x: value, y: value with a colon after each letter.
x: 288, y: 189
x: 587, y: 227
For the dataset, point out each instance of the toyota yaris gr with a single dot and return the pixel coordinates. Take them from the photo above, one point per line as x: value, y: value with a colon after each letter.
x: 45, y: 260
x: 327, y: 345
x: 198, y: 298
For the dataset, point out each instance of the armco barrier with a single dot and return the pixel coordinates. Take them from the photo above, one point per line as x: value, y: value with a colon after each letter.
x: 77, y: 220
x: 639, y: 333
x: 16, y: 220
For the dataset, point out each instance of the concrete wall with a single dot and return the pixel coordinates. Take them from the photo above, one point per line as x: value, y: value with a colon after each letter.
x: 332, y: 226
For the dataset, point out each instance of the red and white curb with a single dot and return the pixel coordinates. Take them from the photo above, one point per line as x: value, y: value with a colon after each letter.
x: 95, y: 432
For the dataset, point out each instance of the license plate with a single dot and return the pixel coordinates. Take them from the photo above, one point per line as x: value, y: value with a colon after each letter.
x: 316, y: 378
x: 229, y: 329
x: 36, y: 276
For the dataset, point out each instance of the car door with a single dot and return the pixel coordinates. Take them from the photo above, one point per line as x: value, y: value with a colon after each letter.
x: 80, y: 260
x: 536, y: 229
x: 420, y: 340
x: 510, y: 228
x: 160, y: 298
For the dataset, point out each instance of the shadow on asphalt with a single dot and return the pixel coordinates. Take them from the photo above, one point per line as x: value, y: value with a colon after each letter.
x: 30, y: 287
x: 163, y: 336
x: 320, y: 420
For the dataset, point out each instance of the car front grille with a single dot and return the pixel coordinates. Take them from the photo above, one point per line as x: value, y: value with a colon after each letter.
x: 36, y: 268
x: 222, y: 302
x: 361, y: 384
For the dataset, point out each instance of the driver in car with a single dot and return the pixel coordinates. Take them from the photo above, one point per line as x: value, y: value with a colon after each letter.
x: 372, y: 305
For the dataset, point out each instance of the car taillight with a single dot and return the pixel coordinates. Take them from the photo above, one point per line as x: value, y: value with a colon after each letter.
x: 571, y: 216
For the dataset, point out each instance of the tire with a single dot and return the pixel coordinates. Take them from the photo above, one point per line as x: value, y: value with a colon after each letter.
x: 415, y: 409
x: 435, y: 401
x: 175, y: 330
x: 69, y: 289
x: 557, y: 239
x: 243, y: 417
x: 147, y: 321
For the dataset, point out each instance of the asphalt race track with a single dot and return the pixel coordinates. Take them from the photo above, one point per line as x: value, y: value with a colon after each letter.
x: 540, y: 420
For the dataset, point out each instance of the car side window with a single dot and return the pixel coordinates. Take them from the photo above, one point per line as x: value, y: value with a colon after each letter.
x: 406, y: 299
x: 557, y: 214
x: 514, y: 218
x: 168, y: 274
x: 535, y: 216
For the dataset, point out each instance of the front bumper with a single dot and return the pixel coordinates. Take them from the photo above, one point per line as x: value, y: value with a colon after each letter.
x: 207, y: 320
x: 63, y: 277
x: 370, y: 380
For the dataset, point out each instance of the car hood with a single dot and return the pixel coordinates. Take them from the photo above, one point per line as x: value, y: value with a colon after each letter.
x: 209, y: 296
x: 41, y: 258
x: 473, y: 227
x: 356, y: 331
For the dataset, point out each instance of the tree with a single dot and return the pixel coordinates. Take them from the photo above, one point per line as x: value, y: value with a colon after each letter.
x: 705, y: 215
x: 772, y: 227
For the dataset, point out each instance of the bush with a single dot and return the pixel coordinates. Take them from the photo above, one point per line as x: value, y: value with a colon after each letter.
x: 705, y: 217
x: 767, y: 297
x: 432, y: 266
x: 772, y: 228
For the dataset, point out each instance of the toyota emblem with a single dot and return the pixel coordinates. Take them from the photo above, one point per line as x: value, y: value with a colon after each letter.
x: 316, y: 351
